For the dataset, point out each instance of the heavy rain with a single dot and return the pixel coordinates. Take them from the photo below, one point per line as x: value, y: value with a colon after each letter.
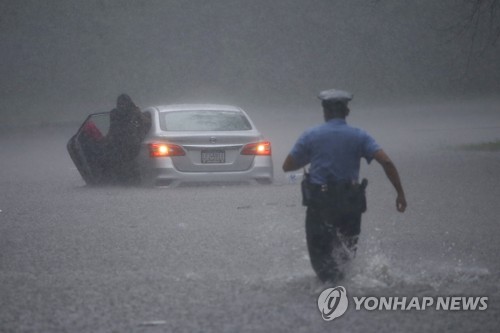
x: 233, y: 258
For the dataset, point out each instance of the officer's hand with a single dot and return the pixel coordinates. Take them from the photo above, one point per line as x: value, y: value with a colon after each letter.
x: 401, y: 203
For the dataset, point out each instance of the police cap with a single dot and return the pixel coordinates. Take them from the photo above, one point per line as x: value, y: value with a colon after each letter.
x: 334, y: 95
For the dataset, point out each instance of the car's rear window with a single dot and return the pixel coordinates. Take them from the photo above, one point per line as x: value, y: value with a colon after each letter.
x: 204, y: 120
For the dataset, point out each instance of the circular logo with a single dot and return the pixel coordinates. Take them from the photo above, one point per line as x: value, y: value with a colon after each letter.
x: 332, y: 303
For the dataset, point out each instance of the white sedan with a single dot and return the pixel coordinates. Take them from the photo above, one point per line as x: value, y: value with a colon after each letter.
x: 189, y: 143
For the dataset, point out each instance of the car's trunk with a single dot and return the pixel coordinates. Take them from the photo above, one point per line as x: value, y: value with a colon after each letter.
x: 213, y: 151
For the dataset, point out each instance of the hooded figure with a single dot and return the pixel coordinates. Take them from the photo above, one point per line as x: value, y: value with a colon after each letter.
x: 128, y: 127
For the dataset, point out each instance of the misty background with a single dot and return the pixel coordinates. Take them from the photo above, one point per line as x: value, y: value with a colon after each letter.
x: 61, y: 60
x: 76, y: 258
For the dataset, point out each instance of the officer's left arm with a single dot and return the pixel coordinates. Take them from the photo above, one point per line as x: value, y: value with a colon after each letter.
x: 392, y: 173
x: 290, y: 164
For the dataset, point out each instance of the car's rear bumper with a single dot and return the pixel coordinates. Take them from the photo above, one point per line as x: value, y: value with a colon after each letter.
x: 161, y: 172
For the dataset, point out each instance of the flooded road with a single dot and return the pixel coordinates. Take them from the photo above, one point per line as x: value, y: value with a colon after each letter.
x: 234, y: 258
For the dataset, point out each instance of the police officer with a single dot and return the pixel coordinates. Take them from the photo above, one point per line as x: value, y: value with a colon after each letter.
x: 334, y: 197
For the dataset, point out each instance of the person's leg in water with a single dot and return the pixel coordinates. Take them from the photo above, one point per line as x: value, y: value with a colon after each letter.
x: 322, y: 240
x: 348, y: 230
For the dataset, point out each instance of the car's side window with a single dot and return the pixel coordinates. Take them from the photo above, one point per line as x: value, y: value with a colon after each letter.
x: 96, y: 126
x: 101, y: 122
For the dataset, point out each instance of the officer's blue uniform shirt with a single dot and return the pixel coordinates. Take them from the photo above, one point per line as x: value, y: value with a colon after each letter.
x: 334, y: 150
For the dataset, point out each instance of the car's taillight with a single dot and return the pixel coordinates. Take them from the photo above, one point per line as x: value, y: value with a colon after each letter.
x: 165, y: 150
x: 258, y: 148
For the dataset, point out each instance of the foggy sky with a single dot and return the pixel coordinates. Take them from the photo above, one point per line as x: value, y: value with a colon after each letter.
x: 64, y: 59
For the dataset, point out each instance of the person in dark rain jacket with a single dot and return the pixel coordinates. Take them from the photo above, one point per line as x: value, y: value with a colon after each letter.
x: 128, y: 127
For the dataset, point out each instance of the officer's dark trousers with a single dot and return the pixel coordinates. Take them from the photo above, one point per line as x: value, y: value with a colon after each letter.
x: 332, y: 235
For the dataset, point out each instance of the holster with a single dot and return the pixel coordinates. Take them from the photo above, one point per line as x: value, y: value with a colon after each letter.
x: 306, y: 189
x: 351, y: 198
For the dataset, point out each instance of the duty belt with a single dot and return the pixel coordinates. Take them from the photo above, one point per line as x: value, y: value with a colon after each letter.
x: 330, y: 186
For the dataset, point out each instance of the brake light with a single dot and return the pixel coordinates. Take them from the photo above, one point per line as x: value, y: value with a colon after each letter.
x: 165, y: 150
x: 258, y: 148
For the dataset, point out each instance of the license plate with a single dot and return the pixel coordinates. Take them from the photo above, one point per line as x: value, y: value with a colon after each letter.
x: 213, y: 156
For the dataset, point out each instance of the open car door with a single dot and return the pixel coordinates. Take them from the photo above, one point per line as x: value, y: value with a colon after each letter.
x: 87, y: 147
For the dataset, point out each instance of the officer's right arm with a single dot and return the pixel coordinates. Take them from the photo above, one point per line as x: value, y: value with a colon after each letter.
x: 393, y: 175
x: 299, y: 155
x: 289, y: 164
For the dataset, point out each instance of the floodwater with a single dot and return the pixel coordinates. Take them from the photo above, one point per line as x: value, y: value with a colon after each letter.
x: 234, y: 258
